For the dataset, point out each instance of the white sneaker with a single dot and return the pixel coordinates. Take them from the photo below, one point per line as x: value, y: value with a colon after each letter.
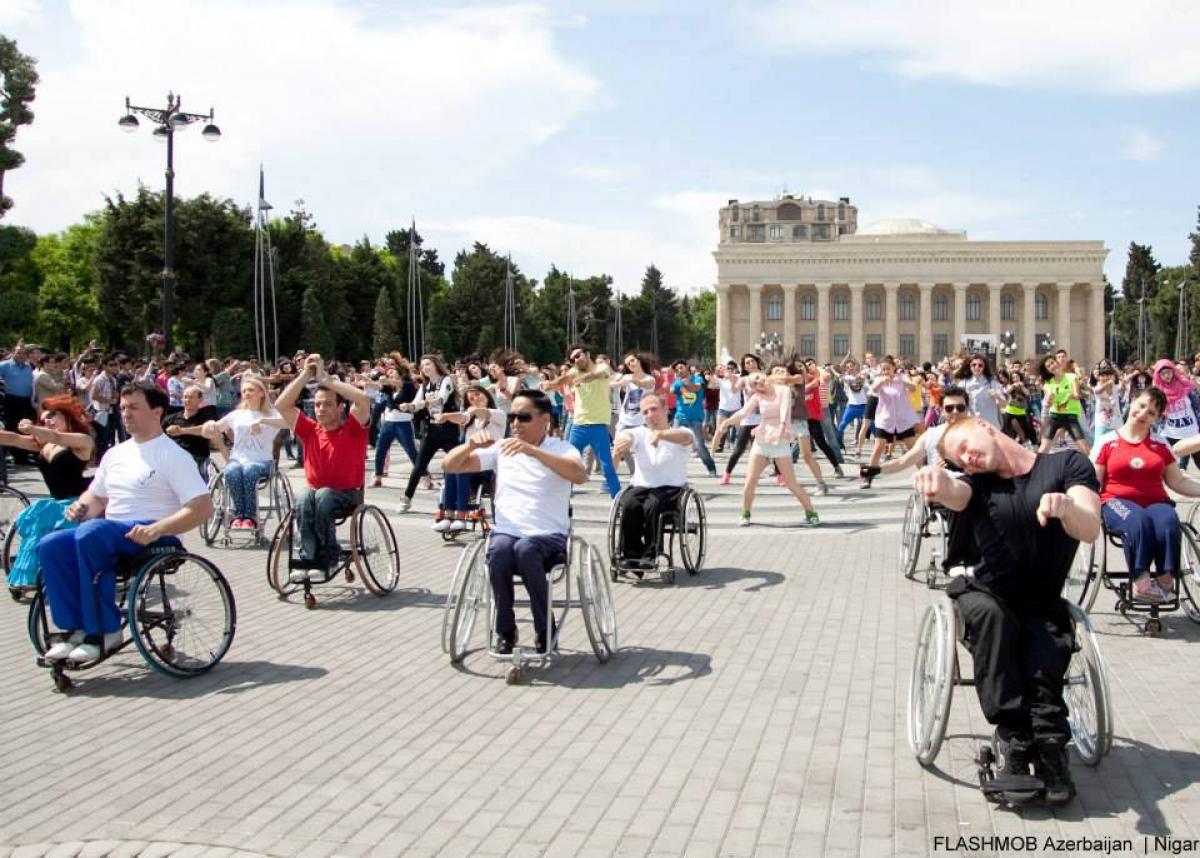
x: 62, y: 649
x: 298, y: 576
x: 458, y: 525
x: 405, y: 504
x: 86, y: 652
x: 442, y: 525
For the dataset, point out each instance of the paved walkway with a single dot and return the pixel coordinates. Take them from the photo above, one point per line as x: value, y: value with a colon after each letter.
x: 757, y: 709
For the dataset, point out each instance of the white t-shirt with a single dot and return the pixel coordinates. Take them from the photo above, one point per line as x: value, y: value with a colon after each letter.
x: 930, y: 440
x: 1179, y: 420
x: 495, y: 424
x: 147, y: 482
x: 730, y: 399
x: 250, y: 445
x: 531, y: 500
x: 849, y: 382
x: 661, y: 465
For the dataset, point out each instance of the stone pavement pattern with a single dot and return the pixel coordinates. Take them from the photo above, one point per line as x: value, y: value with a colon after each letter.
x: 757, y: 709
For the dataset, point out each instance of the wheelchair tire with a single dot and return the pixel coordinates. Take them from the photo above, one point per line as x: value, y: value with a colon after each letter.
x: 12, y: 502
x: 1189, y: 567
x: 473, y: 588
x: 693, y: 530
x: 595, y: 600
x: 465, y: 560
x: 373, y: 547
x: 931, y: 684
x: 281, y: 500
x: 283, y: 547
x: 38, y: 623
x: 910, y: 535
x: 1089, y: 703
x: 1083, y: 578
x: 211, y: 527
x: 181, y: 614
x: 8, y: 554
x: 940, y: 534
x: 614, y: 535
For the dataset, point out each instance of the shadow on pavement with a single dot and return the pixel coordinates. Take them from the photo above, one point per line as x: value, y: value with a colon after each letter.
x: 717, y: 579
x: 355, y: 599
x: 228, y: 677
x: 628, y: 666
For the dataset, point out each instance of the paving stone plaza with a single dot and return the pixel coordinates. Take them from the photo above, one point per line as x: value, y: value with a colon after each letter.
x: 757, y: 709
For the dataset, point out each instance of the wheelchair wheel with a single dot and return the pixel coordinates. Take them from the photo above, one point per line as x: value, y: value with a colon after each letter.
x: 12, y: 502
x: 940, y: 550
x: 1083, y: 579
x: 910, y: 535
x: 1189, y: 566
x: 279, y: 556
x: 1089, y: 704
x: 473, y: 588
x: 595, y: 600
x: 465, y: 562
x: 693, y: 530
x: 181, y: 614
x: 931, y: 685
x: 280, y: 498
x: 212, y: 526
x: 8, y: 556
x: 614, y: 535
x: 38, y: 624
x: 373, y: 547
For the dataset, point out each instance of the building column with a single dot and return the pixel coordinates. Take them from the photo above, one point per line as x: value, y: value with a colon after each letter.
x: 1062, y: 318
x: 995, y: 325
x: 960, y: 316
x: 891, y: 331
x: 856, y: 319
x: 755, y: 292
x: 789, y: 317
x: 724, y: 322
x: 1096, y: 324
x: 823, y: 344
x: 925, y: 315
x: 1029, y: 318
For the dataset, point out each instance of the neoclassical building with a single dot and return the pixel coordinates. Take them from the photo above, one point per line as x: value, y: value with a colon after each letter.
x: 801, y: 269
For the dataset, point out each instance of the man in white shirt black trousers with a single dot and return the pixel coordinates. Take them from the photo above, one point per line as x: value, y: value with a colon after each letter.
x: 534, y: 475
x: 660, y: 454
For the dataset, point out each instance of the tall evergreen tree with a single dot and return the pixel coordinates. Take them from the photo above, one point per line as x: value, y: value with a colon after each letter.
x: 18, y: 87
x: 386, y: 333
x: 314, y: 334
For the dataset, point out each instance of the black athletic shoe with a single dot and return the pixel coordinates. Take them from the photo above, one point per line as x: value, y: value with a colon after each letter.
x: 505, y: 643
x: 1012, y: 757
x: 1054, y: 769
x: 539, y: 641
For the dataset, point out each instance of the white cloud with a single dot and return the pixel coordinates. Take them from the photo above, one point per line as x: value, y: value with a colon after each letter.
x: 600, y: 173
x: 1138, y: 144
x: 1090, y: 45
x: 20, y: 13
x: 358, y: 117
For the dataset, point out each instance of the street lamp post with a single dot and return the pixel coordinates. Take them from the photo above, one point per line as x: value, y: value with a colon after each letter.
x: 167, y: 121
x: 1008, y: 344
x: 769, y: 347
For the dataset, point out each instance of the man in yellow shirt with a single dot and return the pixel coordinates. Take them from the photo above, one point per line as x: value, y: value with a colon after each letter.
x: 592, y: 409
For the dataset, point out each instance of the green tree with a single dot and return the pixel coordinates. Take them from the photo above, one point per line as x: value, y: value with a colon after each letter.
x: 304, y: 261
x: 1140, y: 268
x: 20, y: 281
x: 701, y: 322
x: 652, y: 318
x: 18, y: 87
x: 466, y: 318
x: 386, y: 333
x: 233, y: 332
x: 314, y: 330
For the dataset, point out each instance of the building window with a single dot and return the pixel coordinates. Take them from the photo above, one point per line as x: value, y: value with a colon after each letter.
x: 800, y: 231
x: 841, y: 211
x: 821, y: 231
x: 756, y: 214
x: 941, y: 308
x: 808, y: 345
x: 734, y: 214
x: 758, y: 232
x: 874, y: 308
x: 941, y: 347
x: 820, y: 212
x: 808, y: 308
x: 1008, y: 308
x: 974, y: 308
x: 775, y: 308
x: 908, y: 308
x: 875, y: 343
x: 843, y: 229
x: 841, y: 308
x: 1041, y: 307
x: 777, y: 230
x: 841, y: 345
x: 908, y: 345
x: 735, y: 232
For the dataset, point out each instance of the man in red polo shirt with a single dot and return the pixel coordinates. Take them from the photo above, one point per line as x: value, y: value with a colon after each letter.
x: 335, y: 452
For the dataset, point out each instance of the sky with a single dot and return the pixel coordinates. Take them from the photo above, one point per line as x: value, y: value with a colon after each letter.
x: 603, y: 136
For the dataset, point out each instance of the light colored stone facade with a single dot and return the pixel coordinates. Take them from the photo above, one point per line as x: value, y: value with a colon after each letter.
x: 899, y: 287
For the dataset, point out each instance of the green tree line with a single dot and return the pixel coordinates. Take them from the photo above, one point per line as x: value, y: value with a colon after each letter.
x: 102, y: 278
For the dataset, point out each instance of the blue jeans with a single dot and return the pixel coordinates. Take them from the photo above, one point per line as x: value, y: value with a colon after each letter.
x: 242, y: 481
x: 315, y: 511
x: 852, y: 412
x: 731, y: 433
x: 457, y: 489
x: 595, y: 435
x: 1150, y: 534
x: 834, y: 438
x: 394, y: 430
x: 79, y: 576
x: 697, y: 427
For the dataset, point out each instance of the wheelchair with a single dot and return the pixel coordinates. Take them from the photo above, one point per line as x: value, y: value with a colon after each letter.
x: 12, y: 502
x: 478, y: 521
x: 922, y: 521
x: 373, y: 555
x: 936, y: 671
x: 1087, y: 575
x: 471, y: 588
x: 178, y: 611
x: 685, y: 525
x: 275, y: 498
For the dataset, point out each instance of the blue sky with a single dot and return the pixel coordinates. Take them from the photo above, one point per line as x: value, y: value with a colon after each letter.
x: 602, y: 136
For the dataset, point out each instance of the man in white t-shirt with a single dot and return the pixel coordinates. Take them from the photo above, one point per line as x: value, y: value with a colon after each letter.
x: 534, y: 475
x: 661, y: 456
x: 147, y: 490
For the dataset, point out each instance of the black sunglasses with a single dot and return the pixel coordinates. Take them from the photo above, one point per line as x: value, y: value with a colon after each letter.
x: 954, y: 408
x: 520, y: 417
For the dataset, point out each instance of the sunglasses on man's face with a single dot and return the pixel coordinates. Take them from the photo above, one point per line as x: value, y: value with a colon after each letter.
x: 953, y: 409
x: 520, y: 417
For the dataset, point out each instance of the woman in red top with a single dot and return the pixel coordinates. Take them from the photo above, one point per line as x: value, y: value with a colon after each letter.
x: 1132, y: 468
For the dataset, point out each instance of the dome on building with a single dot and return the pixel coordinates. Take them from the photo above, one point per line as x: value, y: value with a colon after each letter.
x: 903, y: 226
